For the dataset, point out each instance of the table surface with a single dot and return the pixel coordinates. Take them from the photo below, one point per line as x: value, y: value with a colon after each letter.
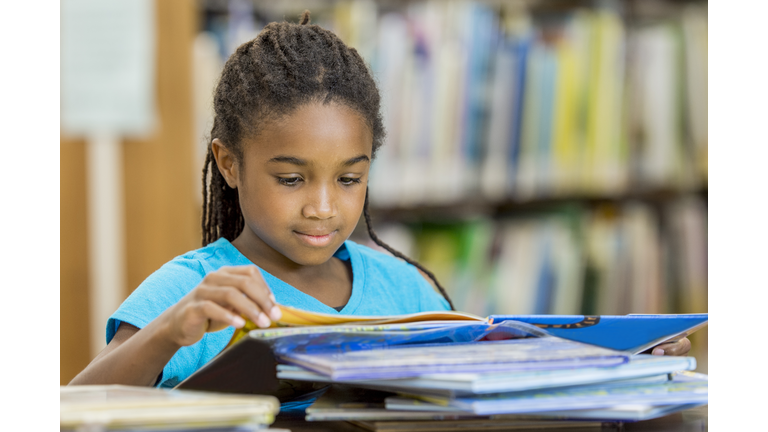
x: 690, y: 420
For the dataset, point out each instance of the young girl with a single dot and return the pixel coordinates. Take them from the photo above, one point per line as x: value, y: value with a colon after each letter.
x: 296, y: 127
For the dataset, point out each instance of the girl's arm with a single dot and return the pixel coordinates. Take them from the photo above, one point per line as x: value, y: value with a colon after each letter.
x: 133, y: 357
x: 136, y: 357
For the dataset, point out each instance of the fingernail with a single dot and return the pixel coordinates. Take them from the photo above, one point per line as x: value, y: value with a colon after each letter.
x: 658, y: 351
x: 275, y: 313
x: 238, y: 321
x: 263, y: 321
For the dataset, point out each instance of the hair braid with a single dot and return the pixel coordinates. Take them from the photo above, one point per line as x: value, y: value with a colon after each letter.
x: 206, y: 212
x: 389, y: 249
x: 286, y: 66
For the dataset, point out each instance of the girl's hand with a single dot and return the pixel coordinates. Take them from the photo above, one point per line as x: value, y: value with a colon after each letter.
x: 678, y: 348
x: 221, y: 300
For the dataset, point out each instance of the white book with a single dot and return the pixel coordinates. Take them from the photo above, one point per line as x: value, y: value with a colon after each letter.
x: 622, y: 412
x: 685, y: 388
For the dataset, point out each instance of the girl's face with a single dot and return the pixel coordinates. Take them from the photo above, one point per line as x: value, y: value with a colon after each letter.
x: 301, y: 183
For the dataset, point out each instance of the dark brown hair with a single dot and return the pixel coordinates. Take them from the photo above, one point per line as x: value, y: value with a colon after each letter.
x: 286, y: 66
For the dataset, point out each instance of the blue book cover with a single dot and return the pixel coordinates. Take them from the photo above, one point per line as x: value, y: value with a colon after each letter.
x: 632, y: 333
x: 344, y: 338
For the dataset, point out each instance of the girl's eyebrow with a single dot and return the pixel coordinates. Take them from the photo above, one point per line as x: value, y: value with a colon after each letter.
x: 289, y: 159
x: 301, y: 162
x: 354, y: 160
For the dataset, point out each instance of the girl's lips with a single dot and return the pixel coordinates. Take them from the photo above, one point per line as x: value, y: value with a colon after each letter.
x: 316, y: 240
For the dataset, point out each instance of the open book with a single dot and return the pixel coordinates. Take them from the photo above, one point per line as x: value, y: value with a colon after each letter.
x: 632, y: 333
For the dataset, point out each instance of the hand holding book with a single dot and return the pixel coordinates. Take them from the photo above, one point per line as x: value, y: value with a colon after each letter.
x: 230, y: 296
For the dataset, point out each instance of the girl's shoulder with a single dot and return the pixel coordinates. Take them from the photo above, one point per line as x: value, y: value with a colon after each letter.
x: 182, y: 273
x: 211, y: 257
x: 377, y: 258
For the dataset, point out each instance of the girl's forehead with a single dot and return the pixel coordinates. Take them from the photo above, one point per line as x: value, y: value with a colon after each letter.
x: 314, y: 131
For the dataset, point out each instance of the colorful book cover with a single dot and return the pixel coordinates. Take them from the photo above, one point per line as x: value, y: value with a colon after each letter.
x: 355, y: 338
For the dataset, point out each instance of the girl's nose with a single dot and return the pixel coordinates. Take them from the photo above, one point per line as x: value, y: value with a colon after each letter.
x: 320, y: 203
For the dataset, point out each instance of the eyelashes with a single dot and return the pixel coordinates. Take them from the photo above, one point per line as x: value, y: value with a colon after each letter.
x: 294, y: 181
x: 289, y: 181
x: 349, y: 181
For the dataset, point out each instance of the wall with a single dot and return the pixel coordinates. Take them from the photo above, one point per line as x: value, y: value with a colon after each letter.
x: 161, y: 214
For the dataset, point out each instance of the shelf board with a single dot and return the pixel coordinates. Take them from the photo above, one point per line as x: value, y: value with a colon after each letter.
x: 474, y: 207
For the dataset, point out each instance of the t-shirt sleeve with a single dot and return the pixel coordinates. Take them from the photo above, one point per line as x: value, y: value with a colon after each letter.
x: 158, y: 292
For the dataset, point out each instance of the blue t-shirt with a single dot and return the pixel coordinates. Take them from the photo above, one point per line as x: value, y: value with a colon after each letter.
x: 381, y: 285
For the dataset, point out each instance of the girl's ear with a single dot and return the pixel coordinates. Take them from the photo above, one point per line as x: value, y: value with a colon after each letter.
x: 226, y: 163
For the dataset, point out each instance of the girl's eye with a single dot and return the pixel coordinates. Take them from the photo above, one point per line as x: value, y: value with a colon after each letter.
x: 348, y: 181
x: 289, y: 181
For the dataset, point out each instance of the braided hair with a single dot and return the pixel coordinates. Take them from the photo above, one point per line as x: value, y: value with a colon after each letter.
x: 286, y: 66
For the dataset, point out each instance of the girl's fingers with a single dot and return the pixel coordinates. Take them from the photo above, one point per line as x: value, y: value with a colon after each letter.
x: 248, y: 279
x: 233, y: 298
x: 677, y: 348
x: 217, y: 314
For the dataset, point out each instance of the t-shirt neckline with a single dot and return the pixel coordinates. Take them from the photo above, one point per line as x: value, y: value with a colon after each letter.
x: 346, y: 252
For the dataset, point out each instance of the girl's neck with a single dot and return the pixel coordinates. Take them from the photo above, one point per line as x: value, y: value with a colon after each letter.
x: 283, y: 268
x: 329, y: 282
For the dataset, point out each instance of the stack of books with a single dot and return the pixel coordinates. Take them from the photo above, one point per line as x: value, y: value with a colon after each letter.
x: 500, y: 371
